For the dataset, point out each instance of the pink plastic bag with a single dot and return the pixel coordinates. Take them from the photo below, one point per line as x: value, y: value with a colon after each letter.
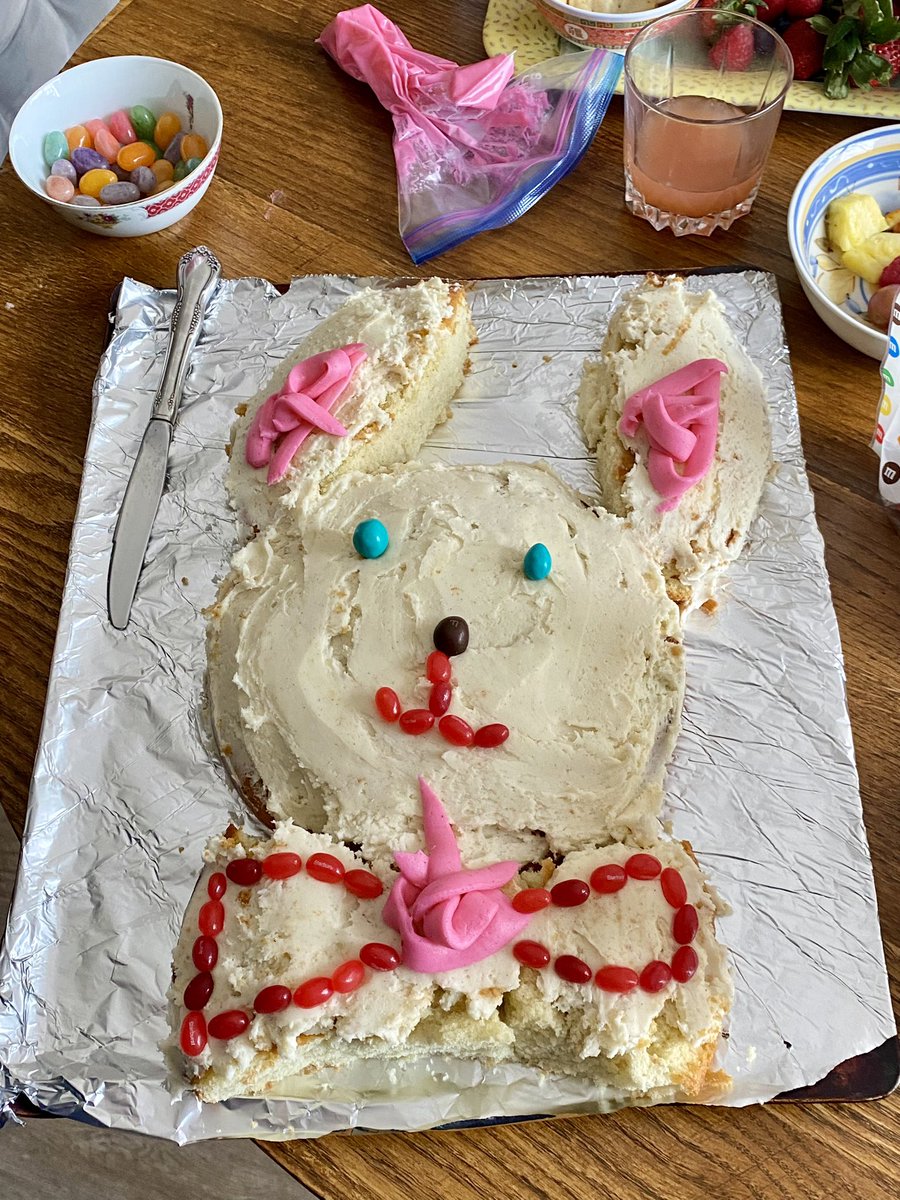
x: 474, y: 147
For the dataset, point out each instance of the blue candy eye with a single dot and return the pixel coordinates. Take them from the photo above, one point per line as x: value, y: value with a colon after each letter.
x: 370, y: 539
x: 537, y: 563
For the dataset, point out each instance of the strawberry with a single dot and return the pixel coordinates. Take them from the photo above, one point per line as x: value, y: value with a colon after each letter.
x: 708, y: 23
x: 890, y: 52
x: 734, y: 50
x: 890, y: 274
x: 806, y: 47
x: 770, y: 10
x: 799, y: 10
x: 861, y: 49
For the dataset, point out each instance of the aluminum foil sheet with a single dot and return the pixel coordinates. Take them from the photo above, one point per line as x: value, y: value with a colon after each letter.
x: 127, y: 787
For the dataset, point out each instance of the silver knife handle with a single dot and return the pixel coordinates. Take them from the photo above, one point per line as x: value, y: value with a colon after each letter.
x: 198, y: 273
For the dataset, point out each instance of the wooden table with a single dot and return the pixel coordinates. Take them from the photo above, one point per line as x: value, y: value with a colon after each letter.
x: 306, y: 184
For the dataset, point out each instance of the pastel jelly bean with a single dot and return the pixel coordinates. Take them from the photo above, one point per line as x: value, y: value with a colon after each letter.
x: 106, y: 144
x: 63, y: 167
x: 144, y: 180
x: 85, y: 202
x: 120, y: 193
x: 78, y: 136
x: 93, y: 126
x: 181, y: 170
x: 59, y: 188
x: 163, y: 170
x: 84, y: 160
x: 173, y: 150
x: 136, y: 154
x: 192, y: 164
x: 92, y: 183
x: 120, y: 173
x: 160, y: 187
x: 193, y: 146
x: 167, y: 126
x: 143, y: 121
x: 120, y: 127
x: 55, y: 146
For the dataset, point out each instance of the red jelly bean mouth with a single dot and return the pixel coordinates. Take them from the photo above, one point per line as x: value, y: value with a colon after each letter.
x: 453, y: 729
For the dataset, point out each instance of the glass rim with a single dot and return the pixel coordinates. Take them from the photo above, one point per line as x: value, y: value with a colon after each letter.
x: 691, y: 14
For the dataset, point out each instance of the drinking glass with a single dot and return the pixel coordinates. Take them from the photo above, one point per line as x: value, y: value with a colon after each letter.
x: 703, y: 95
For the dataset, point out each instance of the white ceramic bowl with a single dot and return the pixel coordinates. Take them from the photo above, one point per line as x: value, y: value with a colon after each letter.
x: 97, y: 89
x: 609, y: 31
x: 867, y: 162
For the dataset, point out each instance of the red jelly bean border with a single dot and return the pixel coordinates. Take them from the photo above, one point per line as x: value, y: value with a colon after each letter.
x: 195, y: 1029
x: 654, y: 976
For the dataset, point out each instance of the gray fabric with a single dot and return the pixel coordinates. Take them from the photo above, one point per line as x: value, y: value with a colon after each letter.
x: 37, y: 39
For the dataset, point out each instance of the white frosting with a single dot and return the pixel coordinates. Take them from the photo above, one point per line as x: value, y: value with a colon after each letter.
x: 403, y: 330
x: 658, y: 329
x: 287, y: 931
x: 630, y: 928
x: 584, y: 667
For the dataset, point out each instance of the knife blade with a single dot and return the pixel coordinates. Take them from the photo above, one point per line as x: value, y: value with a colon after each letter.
x: 198, y: 274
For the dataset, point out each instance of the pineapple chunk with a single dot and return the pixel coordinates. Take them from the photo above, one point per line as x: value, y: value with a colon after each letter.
x: 870, y: 258
x: 893, y: 220
x: 852, y: 219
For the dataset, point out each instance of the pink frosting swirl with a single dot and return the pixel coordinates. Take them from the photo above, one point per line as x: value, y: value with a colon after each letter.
x: 287, y: 418
x: 680, y: 415
x: 446, y: 916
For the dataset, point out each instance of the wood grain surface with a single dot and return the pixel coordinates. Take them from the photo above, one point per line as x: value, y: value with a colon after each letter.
x: 306, y: 183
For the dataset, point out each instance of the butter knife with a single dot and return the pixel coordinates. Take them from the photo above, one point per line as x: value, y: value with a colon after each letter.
x: 198, y: 275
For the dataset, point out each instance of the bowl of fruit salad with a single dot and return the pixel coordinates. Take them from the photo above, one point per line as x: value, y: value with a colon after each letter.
x: 844, y: 235
x: 119, y: 146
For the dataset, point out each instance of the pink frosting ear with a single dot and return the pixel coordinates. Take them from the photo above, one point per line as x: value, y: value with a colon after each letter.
x: 448, y: 917
x: 285, y: 420
x: 680, y: 416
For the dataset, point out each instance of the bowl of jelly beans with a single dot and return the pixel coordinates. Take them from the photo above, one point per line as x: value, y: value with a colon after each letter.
x: 119, y: 146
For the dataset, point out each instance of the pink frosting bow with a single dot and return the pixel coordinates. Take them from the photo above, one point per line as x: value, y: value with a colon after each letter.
x: 287, y: 418
x: 446, y: 916
x: 680, y: 415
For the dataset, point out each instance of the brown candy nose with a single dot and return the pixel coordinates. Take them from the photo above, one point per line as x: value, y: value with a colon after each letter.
x: 451, y: 636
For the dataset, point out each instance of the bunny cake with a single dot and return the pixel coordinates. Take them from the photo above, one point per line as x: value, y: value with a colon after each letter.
x: 453, y: 692
x: 376, y: 376
x: 687, y: 478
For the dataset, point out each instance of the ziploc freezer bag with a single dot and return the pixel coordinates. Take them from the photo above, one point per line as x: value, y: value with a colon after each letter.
x: 475, y: 147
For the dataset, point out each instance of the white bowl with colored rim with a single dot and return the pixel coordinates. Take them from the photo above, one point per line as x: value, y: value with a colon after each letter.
x: 97, y: 89
x: 867, y: 162
x: 602, y: 30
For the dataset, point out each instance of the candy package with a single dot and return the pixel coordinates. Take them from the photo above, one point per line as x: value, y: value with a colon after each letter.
x: 475, y: 147
x: 886, y: 440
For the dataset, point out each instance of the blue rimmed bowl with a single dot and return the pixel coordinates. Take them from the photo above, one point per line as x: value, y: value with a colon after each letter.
x: 867, y: 162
